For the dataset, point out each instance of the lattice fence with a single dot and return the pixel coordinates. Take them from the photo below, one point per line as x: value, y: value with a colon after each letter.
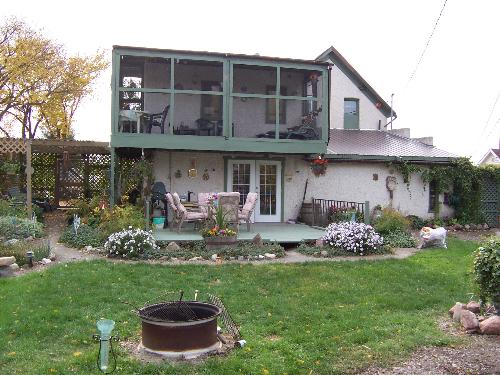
x: 43, y: 180
x: 490, y: 196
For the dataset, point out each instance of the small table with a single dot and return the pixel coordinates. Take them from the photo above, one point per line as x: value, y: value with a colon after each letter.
x: 132, y: 116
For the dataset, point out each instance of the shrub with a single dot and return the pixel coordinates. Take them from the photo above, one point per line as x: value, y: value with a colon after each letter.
x: 85, y: 236
x: 18, y: 250
x: 339, y: 214
x: 391, y: 221
x: 119, y: 218
x: 21, y: 211
x: 357, y: 238
x: 399, y: 239
x: 416, y: 222
x: 487, y: 269
x: 130, y: 243
x: 15, y: 227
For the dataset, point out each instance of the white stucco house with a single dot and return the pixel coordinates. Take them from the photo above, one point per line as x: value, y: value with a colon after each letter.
x: 492, y: 157
x: 225, y: 122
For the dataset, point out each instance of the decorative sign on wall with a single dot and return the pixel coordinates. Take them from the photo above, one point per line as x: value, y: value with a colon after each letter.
x: 390, y: 183
x: 193, y: 172
x: 205, y: 176
x: 178, y: 173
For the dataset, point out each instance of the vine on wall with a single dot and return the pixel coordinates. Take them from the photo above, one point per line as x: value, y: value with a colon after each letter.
x: 461, y: 177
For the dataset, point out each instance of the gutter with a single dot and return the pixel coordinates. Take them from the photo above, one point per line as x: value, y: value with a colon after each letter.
x: 382, y: 158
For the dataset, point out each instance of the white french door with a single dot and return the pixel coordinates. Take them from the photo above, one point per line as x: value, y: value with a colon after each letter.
x: 262, y: 177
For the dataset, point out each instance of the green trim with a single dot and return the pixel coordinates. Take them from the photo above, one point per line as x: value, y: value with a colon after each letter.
x: 112, y: 177
x: 280, y: 159
x: 171, y: 111
x: 226, y: 79
x: 277, y: 103
x: 282, y: 97
x: 193, y: 142
x: 376, y: 158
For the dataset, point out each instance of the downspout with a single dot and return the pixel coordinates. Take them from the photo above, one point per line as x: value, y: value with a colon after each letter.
x: 329, y: 100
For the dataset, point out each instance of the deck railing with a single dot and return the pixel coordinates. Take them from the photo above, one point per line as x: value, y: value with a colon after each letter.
x: 323, y: 209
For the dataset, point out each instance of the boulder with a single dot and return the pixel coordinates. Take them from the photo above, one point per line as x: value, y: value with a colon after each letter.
x: 257, y: 240
x: 490, y: 326
x: 466, y: 226
x: 46, y: 261
x: 14, y: 267
x: 172, y: 246
x: 88, y: 248
x: 474, y: 307
x: 11, y: 242
x: 7, y: 261
x: 320, y: 243
x: 6, y: 271
x: 214, y: 257
x: 486, y: 226
x: 469, y: 321
x: 456, y: 307
x: 270, y: 256
x: 458, y: 227
x: 261, y: 257
x: 241, y: 257
x: 324, y: 253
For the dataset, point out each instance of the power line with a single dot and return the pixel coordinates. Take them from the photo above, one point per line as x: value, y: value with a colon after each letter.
x: 427, y: 44
x: 485, y: 127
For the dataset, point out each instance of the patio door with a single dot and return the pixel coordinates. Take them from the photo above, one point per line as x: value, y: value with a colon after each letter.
x: 262, y: 177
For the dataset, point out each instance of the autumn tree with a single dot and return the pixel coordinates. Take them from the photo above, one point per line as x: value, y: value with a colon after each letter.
x: 41, y: 87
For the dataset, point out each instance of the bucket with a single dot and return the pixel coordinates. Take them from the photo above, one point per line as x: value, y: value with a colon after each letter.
x: 159, y: 222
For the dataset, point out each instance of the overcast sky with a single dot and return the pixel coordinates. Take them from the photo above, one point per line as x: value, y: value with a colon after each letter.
x: 451, y: 96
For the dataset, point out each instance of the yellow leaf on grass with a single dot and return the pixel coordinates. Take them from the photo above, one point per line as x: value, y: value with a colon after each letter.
x: 77, y: 354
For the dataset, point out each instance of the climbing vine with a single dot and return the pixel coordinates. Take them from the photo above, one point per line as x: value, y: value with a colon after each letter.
x: 460, y: 177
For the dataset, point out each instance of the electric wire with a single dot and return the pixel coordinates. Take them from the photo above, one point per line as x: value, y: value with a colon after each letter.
x: 485, y: 127
x: 427, y: 44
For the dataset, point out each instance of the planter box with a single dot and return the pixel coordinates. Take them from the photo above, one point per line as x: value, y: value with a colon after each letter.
x: 218, y: 242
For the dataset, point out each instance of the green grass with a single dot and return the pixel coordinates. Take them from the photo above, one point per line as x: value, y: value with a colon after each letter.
x: 331, y: 318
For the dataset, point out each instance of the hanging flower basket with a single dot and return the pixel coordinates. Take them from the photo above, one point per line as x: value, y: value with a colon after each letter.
x: 318, y: 166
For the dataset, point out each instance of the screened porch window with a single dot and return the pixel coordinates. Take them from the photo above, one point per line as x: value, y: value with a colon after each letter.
x: 351, y: 114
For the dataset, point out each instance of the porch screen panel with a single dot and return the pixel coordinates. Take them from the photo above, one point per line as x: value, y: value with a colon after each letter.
x: 241, y: 180
x: 267, y: 189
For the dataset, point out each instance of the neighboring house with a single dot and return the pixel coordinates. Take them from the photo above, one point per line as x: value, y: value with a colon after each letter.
x: 225, y: 122
x: 492, y: 157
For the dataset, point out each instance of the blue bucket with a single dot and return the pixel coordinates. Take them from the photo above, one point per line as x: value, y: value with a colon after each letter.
x: 159, y: 222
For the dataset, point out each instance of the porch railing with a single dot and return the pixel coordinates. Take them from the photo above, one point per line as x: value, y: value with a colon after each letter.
x: 322, y: 210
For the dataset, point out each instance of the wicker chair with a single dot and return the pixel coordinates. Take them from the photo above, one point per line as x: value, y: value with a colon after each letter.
x: 183, y: 215
x: 246, y: 212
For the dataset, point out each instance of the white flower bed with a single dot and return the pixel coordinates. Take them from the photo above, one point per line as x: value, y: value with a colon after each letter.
x: 130, y: 243
x: 358, y: 238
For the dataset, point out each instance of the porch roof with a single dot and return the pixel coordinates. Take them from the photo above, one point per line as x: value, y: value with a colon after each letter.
x: 222, y: 55
x: 378, y: 145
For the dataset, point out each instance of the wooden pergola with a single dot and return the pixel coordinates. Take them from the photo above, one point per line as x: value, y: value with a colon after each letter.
x: 47, y: 146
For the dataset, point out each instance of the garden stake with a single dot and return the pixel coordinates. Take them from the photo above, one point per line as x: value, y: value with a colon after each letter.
x: 105, y: 326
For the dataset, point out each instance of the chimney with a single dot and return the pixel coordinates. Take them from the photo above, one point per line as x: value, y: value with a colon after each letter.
x: 403, y: 132
x: 426, y: 140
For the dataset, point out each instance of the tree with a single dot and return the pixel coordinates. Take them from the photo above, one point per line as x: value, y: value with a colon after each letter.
x: 40, y: 86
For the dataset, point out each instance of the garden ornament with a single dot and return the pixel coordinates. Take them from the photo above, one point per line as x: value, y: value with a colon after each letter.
x: 390, y: 183
x: 76, y: 222
x: 105, y: 339
x: 33, y: 217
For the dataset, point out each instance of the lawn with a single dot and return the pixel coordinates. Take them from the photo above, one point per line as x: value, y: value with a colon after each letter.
x: 314, y: 318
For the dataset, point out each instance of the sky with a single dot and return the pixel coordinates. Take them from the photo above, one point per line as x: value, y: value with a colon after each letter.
x: 453, y: 96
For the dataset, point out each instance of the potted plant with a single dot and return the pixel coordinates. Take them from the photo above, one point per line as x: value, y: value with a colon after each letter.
x: 318, y: 166
x: 217, y: 232
x: 487, y: 272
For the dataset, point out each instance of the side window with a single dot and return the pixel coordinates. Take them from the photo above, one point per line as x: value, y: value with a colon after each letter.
x: 433, y: 196
x: 351, y: 113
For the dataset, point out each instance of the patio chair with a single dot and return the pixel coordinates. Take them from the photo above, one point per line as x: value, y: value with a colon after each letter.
x: 230, y: 203
x: 158, y: 119
x: 203, y: 200
x: 184, y: 215
x: 246, y: 212
x: 173, y: 209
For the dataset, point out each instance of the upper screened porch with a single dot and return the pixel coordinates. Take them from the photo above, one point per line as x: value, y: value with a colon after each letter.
x: 206, y: 101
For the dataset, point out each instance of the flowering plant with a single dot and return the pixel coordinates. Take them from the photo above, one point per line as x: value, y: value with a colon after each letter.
x: 217, y: 231
x: 358, y: 238
x: 318, y: 166
x: 130, y: 243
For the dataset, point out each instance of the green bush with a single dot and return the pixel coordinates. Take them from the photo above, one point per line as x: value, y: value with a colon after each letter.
x: 86, y: 236
x: 487, y: 269
x: 15, y: 227
x: 120, y: 218
x: 416, y: 222
x: 18, y: 250
x: 399, y: 239
x: 130, y: 243
x: 391, y: 221
x: 21, y: 211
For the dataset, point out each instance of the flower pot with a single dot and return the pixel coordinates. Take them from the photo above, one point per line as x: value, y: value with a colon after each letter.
x: 218, y: 242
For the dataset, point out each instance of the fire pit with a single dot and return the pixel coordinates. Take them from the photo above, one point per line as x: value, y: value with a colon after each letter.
x: 184, y: 329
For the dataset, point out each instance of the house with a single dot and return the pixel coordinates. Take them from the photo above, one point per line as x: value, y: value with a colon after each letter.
x: 228, y: 122
x: 492, y: 157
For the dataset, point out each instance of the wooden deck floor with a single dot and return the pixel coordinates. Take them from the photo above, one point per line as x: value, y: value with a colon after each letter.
x: 278, y: 232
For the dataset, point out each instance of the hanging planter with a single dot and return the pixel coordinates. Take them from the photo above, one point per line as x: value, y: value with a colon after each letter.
x: 318, y: 166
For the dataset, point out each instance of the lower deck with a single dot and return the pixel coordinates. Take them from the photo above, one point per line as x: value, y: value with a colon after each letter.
x: 273, y: 232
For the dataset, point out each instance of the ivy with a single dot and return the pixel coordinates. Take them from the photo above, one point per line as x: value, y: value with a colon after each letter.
x: 406, y: 169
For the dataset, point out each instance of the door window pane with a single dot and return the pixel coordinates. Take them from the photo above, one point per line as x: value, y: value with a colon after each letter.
x: 241, y: 180
x: 267, y: 182
x: 351, y: 114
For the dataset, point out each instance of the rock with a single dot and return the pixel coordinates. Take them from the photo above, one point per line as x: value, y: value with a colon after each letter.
x: 324, y: 253
x: 6, y: 271
x: 469, y: 321
x: 14, y: 267
x: 163, y: 258
x: 88, y: 248
x: 320, y: 243
x: 458, y: 227
x: 241, y: 257
x: 486, y: 226
x: 7, y: 261
x: 490, y: 326
x: 456, y: 307
x: 466, y: 226
x: 480, y: 318
x: 172, y: 246
x: 232, y: 258
x: 11, y: 242
x: 214, y: 257
x: 270, y: 256
x: 201, y: 258
x: 52, y: 257
x: 173, y: 259
x: 261, y: 256
x: 257, y: 240
x: 30, y: 238
x: 474, y: 307
x: 46, y: 261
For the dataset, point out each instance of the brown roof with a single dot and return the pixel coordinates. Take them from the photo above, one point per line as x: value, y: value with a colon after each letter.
x: 381, y: 145
x: 496, y: 151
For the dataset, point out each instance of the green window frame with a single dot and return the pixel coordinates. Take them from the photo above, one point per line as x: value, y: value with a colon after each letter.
x: 351, y: 113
